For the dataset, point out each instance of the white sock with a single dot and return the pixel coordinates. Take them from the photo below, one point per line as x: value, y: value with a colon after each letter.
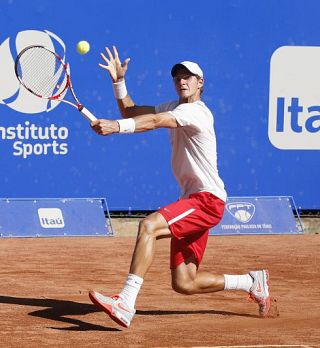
x: 238, y: 282
x: 131, y: 289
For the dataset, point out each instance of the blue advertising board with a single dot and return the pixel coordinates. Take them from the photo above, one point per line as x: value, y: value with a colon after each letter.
x: 258, y: 215
x: 54, y: 217
x: 261, y: 67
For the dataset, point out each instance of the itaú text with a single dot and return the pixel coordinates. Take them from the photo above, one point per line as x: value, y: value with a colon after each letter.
x: 301, y: 118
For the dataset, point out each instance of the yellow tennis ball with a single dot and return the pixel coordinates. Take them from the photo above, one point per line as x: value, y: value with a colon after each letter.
x: 83, y: 47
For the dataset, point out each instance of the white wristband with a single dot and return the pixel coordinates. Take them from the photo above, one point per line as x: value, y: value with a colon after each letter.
x: 120, y: 89
x: 127, y: 125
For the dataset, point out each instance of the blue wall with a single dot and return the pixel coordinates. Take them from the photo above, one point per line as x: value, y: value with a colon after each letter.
x: 233, y: 41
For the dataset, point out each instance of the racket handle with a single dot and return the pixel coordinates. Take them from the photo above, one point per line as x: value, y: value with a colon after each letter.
x: 86, y: 113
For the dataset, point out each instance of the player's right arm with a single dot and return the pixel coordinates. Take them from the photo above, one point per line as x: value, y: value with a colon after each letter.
x: 117, y: 71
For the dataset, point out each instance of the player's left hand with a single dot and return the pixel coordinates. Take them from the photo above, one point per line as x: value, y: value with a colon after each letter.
x: 113, y: 64
x: 105, y: 127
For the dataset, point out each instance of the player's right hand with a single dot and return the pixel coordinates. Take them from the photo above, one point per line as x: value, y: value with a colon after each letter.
x: 105, y: 127
x: 113, y: 65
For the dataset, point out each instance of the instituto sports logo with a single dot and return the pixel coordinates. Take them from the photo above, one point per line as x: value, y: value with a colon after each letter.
x: 27, y: 137
x: 242, y: 211
x: 12, y: 94
x: 294, y: 98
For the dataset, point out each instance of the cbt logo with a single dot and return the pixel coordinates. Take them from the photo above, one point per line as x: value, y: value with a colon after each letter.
x: 294, y: 98
x: 242, y: 211
x: 12, y: 94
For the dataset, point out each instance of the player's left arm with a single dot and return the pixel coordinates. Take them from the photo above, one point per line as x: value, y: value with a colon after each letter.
x: 143, y: 123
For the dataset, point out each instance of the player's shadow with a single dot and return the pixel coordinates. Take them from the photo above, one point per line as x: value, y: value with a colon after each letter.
x: 59, y: 310
x: 207, y: 311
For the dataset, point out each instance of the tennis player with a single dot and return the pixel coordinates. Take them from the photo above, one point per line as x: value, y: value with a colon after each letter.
x: 200, y: 207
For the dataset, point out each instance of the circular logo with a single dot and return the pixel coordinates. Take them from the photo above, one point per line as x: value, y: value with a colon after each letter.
x: 12, y: 94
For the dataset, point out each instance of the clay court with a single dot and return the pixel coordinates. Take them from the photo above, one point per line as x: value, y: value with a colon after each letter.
x: 45, y: 283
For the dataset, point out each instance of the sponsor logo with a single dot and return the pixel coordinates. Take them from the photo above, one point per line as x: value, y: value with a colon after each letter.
x: 27, y: 137
x: 294, y: 98
x: 50, y: 218
x: 259, y: 288
x: 241, y: 211
x: 30, y: 139
x: 122, y: 307
x: 12, y: 94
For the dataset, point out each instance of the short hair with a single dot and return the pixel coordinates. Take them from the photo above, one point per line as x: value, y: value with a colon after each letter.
x: 201, y: 89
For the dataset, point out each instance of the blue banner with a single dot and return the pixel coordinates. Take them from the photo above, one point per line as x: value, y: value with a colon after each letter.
x: 261, y: 68
x: 54, y: 217
x: 258, y: 215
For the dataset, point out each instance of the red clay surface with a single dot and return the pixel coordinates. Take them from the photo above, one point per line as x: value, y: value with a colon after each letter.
x: 45, y: 282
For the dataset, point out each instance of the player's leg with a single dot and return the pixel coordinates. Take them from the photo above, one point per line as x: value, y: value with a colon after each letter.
x: 120, y: 307
x: 187, y: 280
x: 151, y: 228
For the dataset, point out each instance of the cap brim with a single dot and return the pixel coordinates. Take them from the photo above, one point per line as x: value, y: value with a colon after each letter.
x: 178, y: 66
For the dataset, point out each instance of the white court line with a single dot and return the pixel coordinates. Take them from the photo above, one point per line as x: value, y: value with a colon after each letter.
x: 255, y: 346
x: 260, y: 346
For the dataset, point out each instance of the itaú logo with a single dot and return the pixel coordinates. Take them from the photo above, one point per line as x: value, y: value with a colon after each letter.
x: 50, y: 217
x: 12, y: 94
x: 294, y: 98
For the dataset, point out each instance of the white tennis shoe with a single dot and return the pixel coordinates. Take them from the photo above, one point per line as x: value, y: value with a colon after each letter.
x: 259, y: 291
x: 115, y: 307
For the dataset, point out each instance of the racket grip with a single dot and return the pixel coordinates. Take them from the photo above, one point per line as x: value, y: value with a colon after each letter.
x: 86, y: 113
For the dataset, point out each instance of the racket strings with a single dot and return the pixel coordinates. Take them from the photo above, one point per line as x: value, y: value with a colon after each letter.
x: 41, y: 72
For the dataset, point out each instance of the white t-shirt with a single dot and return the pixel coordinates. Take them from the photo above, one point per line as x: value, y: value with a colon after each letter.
x: 194, y: 153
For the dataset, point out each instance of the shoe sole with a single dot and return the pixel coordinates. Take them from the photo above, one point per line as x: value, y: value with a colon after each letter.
x: 268, y: 302
x: 106, y: 308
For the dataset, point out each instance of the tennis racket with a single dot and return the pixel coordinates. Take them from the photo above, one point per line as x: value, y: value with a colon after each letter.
x: 44, y: 73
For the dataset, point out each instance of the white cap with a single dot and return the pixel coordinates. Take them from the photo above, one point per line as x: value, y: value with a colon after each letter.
x: 194, y: 68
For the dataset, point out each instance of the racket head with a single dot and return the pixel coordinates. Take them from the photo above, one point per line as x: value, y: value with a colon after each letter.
x: 42, y: 72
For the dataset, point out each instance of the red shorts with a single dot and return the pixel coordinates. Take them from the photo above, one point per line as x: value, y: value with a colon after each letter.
x: 189, y: 221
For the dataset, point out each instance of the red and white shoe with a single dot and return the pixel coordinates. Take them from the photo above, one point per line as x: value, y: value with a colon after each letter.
x: 115, y: 307
x: 259, y: 291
